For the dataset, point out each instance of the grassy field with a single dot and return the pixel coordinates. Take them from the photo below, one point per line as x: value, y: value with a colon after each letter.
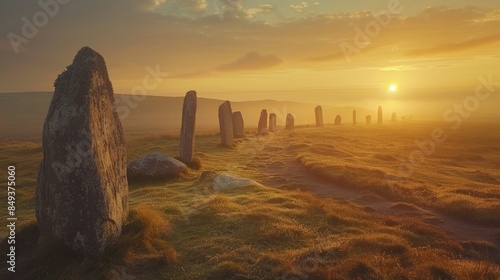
x: 460, y: 176
x: 181, y: 229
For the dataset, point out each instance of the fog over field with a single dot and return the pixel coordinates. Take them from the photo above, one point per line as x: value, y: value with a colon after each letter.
x: 159, y: 113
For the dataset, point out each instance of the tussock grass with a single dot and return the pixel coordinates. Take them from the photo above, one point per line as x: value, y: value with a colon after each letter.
x: 460, y: 177
x: 141, y: 247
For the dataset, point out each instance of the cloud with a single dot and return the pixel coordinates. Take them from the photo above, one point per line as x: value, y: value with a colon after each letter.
x: 326, y: 58
x: 250, y: 62
x: 196, y: 74
x: 199, y: 9
x: 150, y: 5
x: 181, y: 8
x: 338, y: 55
x: 203, y: 41
x: 299, y: 8
x: 456, y: 47
x: 493, y: 15
x: 262, y: 9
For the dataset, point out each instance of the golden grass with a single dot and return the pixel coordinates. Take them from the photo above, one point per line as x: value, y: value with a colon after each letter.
x: 461, y: 177
x: 181, y: 229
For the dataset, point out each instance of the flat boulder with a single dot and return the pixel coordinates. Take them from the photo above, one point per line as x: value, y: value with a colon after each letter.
x: 226, y: 181
x: 155, y: 166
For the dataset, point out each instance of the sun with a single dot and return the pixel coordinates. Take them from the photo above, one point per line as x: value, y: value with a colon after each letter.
x: 393, y: 88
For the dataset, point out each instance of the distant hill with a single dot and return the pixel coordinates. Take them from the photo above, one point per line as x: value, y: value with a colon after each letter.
x: 22, y: 114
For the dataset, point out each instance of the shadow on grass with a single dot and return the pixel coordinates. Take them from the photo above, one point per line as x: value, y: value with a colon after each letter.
x: 140, y: 248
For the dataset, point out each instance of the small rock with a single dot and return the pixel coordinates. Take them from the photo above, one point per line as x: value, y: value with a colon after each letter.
x: 207, y: 176
x: 226, y: 181
x: 155, y: 166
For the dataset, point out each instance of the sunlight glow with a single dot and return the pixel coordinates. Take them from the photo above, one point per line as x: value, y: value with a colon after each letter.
x: 393, y: 88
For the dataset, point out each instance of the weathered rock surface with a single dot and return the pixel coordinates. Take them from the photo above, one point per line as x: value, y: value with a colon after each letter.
x: 318, y: 111
x: 188, y: 127
x: 262, y: 127
x: 226, y: 181
x: 393, y: 117
x: 226, y: 124
x: 354, y: 117
x: 82, y: 188
x: 338, y: 120
x: 155, y: 166
x: 272, y: 122
x: 380, y: 116
x: 238, y: 125
x: 207, y: 176
x: 368, y: 119
x: 290, y: 121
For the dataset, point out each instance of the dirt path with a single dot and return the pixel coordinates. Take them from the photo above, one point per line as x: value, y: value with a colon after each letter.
x: 280, y: 167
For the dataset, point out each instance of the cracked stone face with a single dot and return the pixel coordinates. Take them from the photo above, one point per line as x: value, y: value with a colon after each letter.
x: 82, y: 189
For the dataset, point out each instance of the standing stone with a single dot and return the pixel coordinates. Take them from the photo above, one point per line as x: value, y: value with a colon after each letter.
x: 338, y: 120
x: 368, y: 119
x: 188, y: 127
x: 82, y: 188
x: 238, y: 125
x: 226, y: 124
x: 262, y: 128
x: 379, y: 120
x: 290, y: 121
x: 353, y: 116
x: 393, y: 117
x: 319, y: 115
x: 272, y: 122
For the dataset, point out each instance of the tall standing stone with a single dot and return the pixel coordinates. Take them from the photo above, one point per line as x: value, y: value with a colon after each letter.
x: 82, y: 188
x: 188, y: 127
x: 290, y: 121
x: 272, y: 122
x: 354, y: 117
x: 226, y: 124
x: 393, y: 117
x: 262, y: 128
x: 319, y: 115
x: 338, y: 120
x: 238, y: 125
x: 379, y: 119
x: 368, y: 119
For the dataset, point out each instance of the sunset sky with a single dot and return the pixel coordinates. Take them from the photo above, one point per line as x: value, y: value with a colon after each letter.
x: 434, y: 51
